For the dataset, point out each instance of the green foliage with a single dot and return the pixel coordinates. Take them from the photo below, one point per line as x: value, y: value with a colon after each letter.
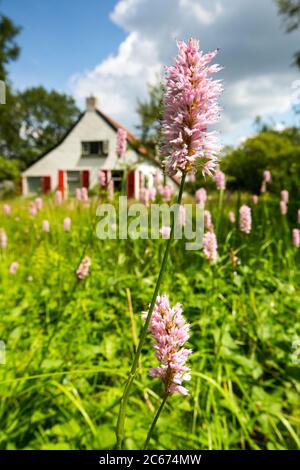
x: 150, y: 115
x: 69, y: 344
x: 290, y: 10
x: 9, y: 169
x: 45, y: 116
x: 9, y: 50
x: 278, y: 152
x: 34, y: 120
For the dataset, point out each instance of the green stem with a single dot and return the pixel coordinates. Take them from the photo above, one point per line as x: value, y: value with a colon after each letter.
x: 123, y: 406
x: 149, y: 435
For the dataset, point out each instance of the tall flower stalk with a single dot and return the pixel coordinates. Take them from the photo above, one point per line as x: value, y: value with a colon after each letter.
x: 170, y: 332
x: 190, y: 106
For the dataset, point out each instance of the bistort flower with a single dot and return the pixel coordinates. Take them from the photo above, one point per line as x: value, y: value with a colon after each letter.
x: 201, y: 197
x: 190, y: 106
x: 210, y: 246
x: 296, y: 237
x: 83, y: 269
x: 170, y: 332
x: 220, y: 180
x: 245, y: 219
x: 121, y: 142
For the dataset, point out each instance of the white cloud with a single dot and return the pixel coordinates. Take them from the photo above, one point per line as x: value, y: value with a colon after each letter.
x: 256, y: 55
x: 204, y: 15
x: 120, y: 80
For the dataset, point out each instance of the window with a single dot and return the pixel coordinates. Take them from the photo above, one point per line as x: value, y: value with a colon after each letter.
x: 117, y: 177
x: 73, y: 180
x: 95, y: 148
x: 34, y: 184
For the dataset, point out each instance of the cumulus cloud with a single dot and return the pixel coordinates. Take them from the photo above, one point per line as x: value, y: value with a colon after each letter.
x: 255, y: 51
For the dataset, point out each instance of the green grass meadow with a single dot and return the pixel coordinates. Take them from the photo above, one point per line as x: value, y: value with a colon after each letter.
x: 70, y: 344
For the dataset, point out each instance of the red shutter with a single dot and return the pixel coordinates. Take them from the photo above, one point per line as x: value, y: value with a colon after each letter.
x: 85, y: 179
x: 46, y: 184
x: 61, y: 184
x: 130, y: 184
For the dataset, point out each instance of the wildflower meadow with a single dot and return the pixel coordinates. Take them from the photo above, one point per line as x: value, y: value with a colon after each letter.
x: 182, y: 336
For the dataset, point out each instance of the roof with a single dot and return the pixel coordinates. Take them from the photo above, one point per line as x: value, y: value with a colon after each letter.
x: 114, y: 125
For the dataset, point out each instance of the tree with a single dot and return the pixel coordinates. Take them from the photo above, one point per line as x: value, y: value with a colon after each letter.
x: 9, y: 49
x: 44, y: 117
x: 34, y: 120
x: 290, y: 9
x: 9, y: 170
x: 276, y: 151
x: 150, y: 114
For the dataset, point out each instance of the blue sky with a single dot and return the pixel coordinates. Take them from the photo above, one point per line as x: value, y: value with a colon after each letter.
x: 113, y: 48
x: 57, y: 38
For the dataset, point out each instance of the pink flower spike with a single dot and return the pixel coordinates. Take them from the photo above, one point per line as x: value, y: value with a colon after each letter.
x: 14, y: 267
x: 78, y: 194
x: 245, y: 219
x: 83, y: 269
x: 296, y: 237
x: 166, y: 192
x: 39, y: 203
x: 32, y: 209
x: 84, y: 194
x: 46, y: 226
x: 182, y: 215
x: 7, y: 209
x: 231, y: 217
x: 207, y: 220
x: 267, y: 176
x: 220, y: 180
x: 121, y: 142
x: 102, y: 178
x: 58, y: 197
x: 285, y: 196
x: 67, y: 224
x: 210, y: 246
x: 170, y: 333
x: 111, y: 190
x: 144, y: 196
x: 3, y: 238
x: 190, y: 106
x: 255, y: 199
x: 201, y: 197
x: 165, y: 232
x: 283, y: 208
x: 152, y: 194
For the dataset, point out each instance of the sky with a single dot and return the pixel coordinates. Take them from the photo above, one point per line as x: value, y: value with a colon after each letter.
x: 114, y: 48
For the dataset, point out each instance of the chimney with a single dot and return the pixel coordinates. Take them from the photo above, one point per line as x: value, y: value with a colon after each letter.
x: 91, y: 103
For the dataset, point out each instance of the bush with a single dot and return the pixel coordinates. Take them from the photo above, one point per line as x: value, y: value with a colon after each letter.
x: 276, y: 151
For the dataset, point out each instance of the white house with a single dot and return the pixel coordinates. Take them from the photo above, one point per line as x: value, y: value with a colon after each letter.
x: 90, y: 145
